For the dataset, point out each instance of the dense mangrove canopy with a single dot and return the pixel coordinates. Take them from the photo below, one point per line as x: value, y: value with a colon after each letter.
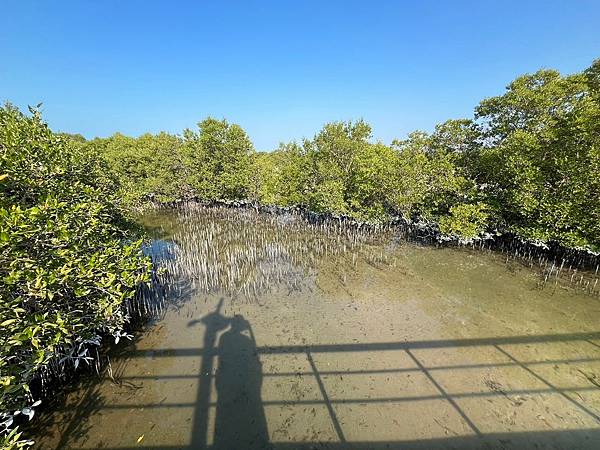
x: 527, y: 163
x: 67, y: 261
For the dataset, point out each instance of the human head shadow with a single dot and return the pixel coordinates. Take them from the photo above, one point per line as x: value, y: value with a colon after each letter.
x: 240, y: 420
x: 240, y: 417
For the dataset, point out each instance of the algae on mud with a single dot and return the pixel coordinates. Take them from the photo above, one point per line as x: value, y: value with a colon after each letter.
x: 281, y: 334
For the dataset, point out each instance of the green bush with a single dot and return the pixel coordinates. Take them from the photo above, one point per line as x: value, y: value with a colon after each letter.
x: 539, y: 158
x: 465, y: 221
x: 144, y: 167
x: 219, y: 160
x: 530, y: 155
x: 282, y: 176
x: 68, y: 261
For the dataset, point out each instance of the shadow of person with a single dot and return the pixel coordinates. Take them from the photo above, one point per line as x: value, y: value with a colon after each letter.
x: 240, y: 418
x: 213, y: 323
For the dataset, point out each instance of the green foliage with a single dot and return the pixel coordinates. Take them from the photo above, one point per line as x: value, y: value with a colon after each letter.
x: 539, y: 164
x: 429, y: 181
x: 338, y: 171
x: 143, y: 167
x: 333, y: 156
x: 13, y: 441
x: 466, y: 221
x: 67, y: 260
x: 528, y: 164
x: 283, y: 176
x: 530, y: 159
x: 219, y: 158
x: 217, y: 162
x: 373, y: 182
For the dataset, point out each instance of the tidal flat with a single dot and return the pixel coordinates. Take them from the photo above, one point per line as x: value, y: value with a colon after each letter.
x: 272, y: 332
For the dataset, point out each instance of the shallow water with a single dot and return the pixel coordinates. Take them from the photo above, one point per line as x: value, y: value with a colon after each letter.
x: 273, y: 333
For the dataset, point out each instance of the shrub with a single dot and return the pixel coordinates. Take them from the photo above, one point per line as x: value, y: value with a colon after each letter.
x: 465, y: 221
x: 68, y: 260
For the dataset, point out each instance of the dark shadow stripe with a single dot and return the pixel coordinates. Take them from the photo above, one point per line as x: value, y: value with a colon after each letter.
x: 418, y: 398
x: 334, y: 420
x: 582, y: 439
x: 377, y: 346
x: 445, y: 395
x: 378, y: 371
x: 560, y: 391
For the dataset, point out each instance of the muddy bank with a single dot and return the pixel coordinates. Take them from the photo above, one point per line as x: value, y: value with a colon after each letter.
x: 282, y: 335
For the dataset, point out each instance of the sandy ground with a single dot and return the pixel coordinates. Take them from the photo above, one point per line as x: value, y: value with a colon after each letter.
x: 444, y: 349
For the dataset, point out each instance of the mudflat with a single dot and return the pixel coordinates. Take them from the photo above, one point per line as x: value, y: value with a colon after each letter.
x: 287, y: 336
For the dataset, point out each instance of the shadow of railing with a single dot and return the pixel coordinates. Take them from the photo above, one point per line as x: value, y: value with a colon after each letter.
x: 586, y: 439
x: 214, y: 367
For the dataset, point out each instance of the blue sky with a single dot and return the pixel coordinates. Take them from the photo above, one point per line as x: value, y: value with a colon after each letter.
x: 280, y: 69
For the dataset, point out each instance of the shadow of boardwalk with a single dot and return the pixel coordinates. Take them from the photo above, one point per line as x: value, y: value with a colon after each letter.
x: 538, y: 440
x: 233, y: 362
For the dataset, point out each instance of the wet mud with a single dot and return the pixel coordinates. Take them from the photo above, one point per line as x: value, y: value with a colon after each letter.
x: 275, y: 333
